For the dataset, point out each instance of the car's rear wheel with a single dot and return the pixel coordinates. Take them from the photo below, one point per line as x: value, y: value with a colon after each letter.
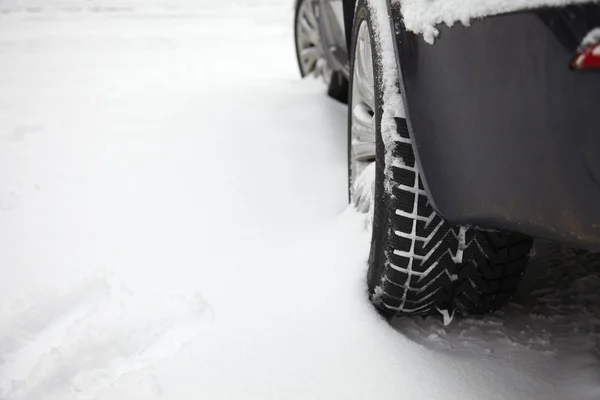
x: 419, y: 263
x: 309, y: 50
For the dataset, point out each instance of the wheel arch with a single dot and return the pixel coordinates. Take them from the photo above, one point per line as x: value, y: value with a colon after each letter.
x: 399, y: 31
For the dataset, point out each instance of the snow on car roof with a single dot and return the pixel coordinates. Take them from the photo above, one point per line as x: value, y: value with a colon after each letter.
x: 421, y: 16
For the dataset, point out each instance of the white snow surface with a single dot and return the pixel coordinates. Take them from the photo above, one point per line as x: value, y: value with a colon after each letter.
x: 173, y: 225
x: 422, y: 16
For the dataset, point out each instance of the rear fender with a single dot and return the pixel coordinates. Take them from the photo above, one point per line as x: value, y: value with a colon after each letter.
x: 505, y: 133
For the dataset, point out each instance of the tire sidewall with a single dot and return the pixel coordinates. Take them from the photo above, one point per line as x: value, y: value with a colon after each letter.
x: 296, y: 15
x: 380, y: 215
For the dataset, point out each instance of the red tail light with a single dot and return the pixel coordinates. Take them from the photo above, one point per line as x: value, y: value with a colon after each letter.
x: 587, y: 58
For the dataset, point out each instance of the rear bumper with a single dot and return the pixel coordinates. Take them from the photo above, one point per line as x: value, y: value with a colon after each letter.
x: 506, y: 134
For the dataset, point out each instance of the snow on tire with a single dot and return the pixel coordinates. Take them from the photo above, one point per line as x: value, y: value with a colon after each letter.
x: 419, y: 263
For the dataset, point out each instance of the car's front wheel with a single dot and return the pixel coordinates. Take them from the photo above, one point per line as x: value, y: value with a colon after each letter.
x: 309, y: 50
x: 419, y: 263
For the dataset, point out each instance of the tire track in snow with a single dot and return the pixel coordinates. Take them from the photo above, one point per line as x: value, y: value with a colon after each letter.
x: 77, y: 344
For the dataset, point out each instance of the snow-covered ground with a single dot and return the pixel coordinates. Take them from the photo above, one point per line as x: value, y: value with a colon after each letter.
x: 173, y: 225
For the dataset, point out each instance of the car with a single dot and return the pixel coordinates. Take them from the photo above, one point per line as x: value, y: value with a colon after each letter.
x: 466, y: 140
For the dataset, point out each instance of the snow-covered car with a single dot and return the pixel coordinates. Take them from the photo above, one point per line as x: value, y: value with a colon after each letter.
x: 473, y: 127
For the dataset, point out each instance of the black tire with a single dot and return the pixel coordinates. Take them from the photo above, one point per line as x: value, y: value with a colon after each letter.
x: 415, y: 262
x: 337, y: 87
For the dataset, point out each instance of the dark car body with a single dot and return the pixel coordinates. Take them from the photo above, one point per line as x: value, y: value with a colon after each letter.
x: 506, y: 132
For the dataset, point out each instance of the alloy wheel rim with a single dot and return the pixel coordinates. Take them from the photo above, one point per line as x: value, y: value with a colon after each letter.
x: 363, y: 130
x: 308, y: 42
